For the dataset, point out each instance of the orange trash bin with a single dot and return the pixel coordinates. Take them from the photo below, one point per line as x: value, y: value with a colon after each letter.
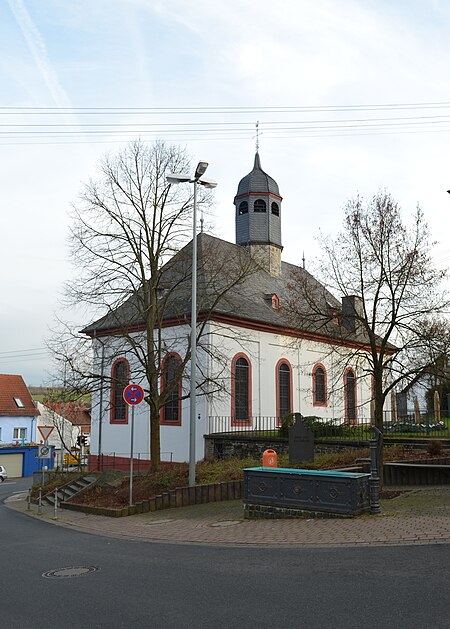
x: 270, y: 458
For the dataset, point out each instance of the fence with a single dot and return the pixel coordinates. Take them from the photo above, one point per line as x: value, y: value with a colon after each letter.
x: 265, y: 426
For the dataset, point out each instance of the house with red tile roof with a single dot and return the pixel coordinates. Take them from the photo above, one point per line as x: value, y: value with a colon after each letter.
x: 77, y: 413
x: 18, y: 412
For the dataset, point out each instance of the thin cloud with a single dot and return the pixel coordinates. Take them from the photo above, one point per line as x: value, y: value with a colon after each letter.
x: 38, y: 50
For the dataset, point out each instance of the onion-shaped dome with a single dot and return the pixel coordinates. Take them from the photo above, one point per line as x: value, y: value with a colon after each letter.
x: 257, y: 181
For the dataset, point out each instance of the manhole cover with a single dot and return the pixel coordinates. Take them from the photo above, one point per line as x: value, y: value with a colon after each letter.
x: 72, y: 571
x: 226, y: 523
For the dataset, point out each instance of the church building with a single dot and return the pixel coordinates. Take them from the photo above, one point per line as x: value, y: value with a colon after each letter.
x: 257, y: 361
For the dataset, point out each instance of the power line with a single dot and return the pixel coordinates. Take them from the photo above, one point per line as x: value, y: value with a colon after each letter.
x: 224, y: 109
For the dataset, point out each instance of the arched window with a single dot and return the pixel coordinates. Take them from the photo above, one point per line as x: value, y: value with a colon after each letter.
x: 170, y: 377
x: 284, y: 389
x: 319, y: 384
x: 243, y: 207
x: 120, y: 375
x: 350, y: 401
x: 259, y: 205
x: 275, y: 209
x: 241, y: 407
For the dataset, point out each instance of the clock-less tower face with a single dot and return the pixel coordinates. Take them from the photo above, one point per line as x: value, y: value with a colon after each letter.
x: 258, y: 209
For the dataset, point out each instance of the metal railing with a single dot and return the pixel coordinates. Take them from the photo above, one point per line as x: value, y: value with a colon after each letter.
x: 265, y: 426
x: 257, y: 424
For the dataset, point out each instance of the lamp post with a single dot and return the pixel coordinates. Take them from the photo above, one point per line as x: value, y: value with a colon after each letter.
x: 207, y: 183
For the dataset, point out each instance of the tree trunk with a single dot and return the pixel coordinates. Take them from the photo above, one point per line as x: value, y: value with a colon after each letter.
x: 416, y: 411
x: 155, y: 441
x: 437, y: 407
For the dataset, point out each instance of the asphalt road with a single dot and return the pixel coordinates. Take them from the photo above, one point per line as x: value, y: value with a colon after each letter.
x: 142, y: 584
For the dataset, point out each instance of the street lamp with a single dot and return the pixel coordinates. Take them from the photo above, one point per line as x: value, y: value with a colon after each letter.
x: 207, y: 183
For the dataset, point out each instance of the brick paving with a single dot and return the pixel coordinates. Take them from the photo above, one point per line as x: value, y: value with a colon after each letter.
x: 424, y: 520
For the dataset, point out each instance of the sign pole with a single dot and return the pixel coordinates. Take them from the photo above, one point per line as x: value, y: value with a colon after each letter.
x: 133, y: 394
x: 131, y: 455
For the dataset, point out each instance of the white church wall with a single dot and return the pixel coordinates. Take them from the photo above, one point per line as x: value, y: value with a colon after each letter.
x: 264, y: 350
x: 116, y: 438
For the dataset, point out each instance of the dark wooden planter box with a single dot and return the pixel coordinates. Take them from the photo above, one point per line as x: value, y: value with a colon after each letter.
x: 416, y: 474
x: 310, y: 490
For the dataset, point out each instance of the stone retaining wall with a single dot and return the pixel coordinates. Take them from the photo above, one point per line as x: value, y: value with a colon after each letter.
x: 179, y: 497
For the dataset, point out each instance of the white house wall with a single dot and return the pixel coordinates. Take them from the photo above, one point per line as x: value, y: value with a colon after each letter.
x: 48, y: 417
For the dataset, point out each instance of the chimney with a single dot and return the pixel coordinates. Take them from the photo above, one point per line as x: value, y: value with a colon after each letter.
x: 352, y: 314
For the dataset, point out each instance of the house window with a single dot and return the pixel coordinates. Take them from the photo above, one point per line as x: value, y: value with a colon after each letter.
x: 275, y: 209
x: 284, y: 390
x: 119, y: 380
x: 350, y: 397
x: 19, y: 433
x: 319, y: 384
x: 19, y: 402
x: 241, y: 411
x: 243, y: 208
x: 171, y: 379
x: 259, y: 205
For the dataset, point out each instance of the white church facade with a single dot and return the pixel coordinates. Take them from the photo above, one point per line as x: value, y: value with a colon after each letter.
x: 258, y: 363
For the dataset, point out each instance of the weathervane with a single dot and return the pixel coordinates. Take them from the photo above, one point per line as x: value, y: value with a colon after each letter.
x: 257, y: 136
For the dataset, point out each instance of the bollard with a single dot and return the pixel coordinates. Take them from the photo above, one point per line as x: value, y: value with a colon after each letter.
x: 270, y: 458
x: 29, y: 500
x: 40, y: 501
x: 374, y: 481
x: 55, y: 507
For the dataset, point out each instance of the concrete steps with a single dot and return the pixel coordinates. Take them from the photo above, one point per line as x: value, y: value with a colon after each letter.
x: 68, y: 491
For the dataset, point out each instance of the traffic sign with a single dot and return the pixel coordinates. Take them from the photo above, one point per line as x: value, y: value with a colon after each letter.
x: 46, y: 431
x: 44, y: 452
x: 133, y: 394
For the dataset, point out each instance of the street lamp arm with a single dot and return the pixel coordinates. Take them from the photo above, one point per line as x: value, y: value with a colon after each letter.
x: 179, y: 178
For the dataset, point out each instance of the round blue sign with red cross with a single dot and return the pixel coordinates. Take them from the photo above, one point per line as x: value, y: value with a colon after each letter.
x: 133, y: 394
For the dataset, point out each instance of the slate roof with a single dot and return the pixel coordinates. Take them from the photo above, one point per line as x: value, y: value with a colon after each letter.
x: 257, y: 181
x: 248, y: 301
x: 13, y: 386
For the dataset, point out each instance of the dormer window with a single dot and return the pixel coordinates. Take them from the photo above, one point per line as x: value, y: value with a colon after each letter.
x: 19, y: 402
x: 259, y: 205
x: 273, y: 300
x: 334, y: 313
x: 275, y: 209
x: 243, y: 208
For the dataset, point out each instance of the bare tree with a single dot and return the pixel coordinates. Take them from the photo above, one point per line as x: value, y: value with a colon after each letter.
x: 131, y: 267
x: 391, y: 317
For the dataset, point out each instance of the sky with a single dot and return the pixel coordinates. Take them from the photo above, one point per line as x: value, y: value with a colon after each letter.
x: 350, y: 95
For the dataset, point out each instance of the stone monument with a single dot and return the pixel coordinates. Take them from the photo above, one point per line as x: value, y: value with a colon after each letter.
x: 301, y: 442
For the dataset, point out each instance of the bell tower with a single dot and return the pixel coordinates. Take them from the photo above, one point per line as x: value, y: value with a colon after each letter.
x: 258, y: 218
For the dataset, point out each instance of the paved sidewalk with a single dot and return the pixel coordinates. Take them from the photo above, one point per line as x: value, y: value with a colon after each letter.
x: 419, y: 516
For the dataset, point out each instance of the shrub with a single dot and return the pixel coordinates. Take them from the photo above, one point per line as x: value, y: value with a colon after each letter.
x: 434, y: 448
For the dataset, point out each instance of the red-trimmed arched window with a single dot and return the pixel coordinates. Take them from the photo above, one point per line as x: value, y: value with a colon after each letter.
x: 171, y: 411
x: 120, y: 378
x: 350, y: 398
x: 319, y: 385
x: 241, y: 390
x: 283, y: 378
